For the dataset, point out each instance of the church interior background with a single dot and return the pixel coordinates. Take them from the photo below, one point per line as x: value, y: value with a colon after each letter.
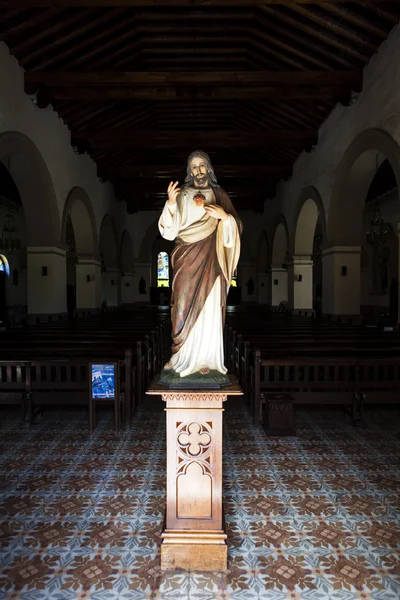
x: 298, y: 106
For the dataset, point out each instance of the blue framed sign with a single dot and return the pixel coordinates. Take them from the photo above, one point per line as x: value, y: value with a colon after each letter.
x: 103, y: 381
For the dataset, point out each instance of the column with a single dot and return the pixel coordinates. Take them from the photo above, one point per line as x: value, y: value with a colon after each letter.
x: 127, y: 288
x: 341, y: 281
x: 88, y: 285
x: 264, y: 287
x: 47, y: 281
x: 300, y: 280
x: 110, y: 287
x: 279, y: 285
x: 194, y: 537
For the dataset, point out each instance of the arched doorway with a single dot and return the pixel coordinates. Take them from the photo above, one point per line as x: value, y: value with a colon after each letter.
x: 45, y: 263
x: 127, y: 269
x: 263, y: 269
x: 13, y: 301
x: 380, y: 251
x: 4, y: 275
x: 341, y: 259
x: 305, y: 273
x: 83, y: 261
x: 279, y: 266
x: 110, y: 266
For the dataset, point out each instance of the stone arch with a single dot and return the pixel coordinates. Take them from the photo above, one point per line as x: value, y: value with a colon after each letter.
x: 28, y: 169
x: 79, y: 208
x: 126, y: 253
x: 310, y: 211
x: 353, y: 179
x: 109, y: 243
x: 280, y: 242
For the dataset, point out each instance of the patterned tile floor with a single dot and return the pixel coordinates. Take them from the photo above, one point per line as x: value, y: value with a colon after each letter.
x: 312, y: 517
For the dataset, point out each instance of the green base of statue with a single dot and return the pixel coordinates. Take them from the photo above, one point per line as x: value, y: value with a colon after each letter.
x: 211, y: 380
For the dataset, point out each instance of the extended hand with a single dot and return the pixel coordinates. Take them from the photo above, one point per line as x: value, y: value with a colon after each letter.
x: 215, y: 211
x: 173, y: 192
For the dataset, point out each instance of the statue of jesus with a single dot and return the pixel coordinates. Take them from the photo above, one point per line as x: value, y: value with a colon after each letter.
x: 206, y: 228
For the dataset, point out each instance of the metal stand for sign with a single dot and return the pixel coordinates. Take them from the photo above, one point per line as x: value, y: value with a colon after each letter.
x: 95, y: 401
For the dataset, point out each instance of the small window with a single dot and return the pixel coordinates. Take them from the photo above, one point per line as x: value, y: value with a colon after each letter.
x: 4, y: 265
x: 162, y: 269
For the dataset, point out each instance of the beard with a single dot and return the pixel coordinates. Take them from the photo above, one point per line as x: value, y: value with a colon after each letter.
x: 201, y: 180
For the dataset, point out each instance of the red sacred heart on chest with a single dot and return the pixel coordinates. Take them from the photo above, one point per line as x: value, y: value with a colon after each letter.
x: 199, y: 199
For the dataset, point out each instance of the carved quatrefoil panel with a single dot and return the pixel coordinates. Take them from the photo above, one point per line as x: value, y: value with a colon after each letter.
x: 194, y: 439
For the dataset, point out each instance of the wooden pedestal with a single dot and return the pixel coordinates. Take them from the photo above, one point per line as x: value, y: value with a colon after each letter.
x: 193, y: 536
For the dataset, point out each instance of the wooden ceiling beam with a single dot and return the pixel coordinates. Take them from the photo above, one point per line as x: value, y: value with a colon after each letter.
x: 112, y: 94
x: 171, y: 171
x: 110, y: 138
x: 314, y: 33
x: 156, y: 3
x: 189, y: 78
x: 356, y: 19
x: 350, y: 48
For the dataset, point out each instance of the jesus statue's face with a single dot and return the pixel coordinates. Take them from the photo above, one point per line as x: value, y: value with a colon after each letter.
x: 199, y: 172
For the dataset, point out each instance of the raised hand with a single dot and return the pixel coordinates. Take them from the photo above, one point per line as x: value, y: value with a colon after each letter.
x: 215, y: 211
x: 173, y: 192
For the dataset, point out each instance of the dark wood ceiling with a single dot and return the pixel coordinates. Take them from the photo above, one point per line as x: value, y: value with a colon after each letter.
x: 142, y: 83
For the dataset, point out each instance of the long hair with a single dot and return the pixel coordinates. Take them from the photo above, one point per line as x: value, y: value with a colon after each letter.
x: 211, y: 175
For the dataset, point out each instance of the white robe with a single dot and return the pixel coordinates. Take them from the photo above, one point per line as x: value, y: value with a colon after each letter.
x: 204, y: 344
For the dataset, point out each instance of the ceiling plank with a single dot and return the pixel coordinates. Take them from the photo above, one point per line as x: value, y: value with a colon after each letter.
x: 33, y: 21
x: 335, y: 92
x: 156, y: 3
x: 110, y: 138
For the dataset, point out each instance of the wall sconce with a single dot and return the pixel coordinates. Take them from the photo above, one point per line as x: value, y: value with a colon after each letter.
x: 276, y: 281
x: 112, y: 282
x: 299, y: 277
x: 90, y: 277
x: 127, y: 284
x: 44, y: 271
x: 344, y: 271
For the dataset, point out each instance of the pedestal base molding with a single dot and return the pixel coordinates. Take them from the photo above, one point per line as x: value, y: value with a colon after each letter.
x: 194, y: 550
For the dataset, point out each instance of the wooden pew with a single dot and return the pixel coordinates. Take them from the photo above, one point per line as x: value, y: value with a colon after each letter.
x: 325, y: 381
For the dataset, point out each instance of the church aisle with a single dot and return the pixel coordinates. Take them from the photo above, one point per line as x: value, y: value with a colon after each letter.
x: 311, y: 517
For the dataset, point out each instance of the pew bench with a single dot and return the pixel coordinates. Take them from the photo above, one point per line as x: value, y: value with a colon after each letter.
x: 45, y: 382
x: 347, y: 382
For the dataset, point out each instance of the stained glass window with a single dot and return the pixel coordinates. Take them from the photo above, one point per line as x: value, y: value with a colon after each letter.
x: 4, y: 266
x: 162, y: 269
x: 234, y: 279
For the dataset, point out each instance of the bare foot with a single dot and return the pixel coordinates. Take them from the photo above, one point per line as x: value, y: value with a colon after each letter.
x: 168, y: 366
x: 204, y: 370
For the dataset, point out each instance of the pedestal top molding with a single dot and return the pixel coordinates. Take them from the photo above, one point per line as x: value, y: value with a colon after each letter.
x: 190, y: 398
x: 194, y: 394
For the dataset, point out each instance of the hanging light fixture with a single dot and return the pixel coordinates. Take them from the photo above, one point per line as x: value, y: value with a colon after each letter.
x: 9, y: 240
x: 379, y: 231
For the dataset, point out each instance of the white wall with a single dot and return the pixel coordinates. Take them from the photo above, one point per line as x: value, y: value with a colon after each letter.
x: 377, y: 106
x: 53, y: 139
